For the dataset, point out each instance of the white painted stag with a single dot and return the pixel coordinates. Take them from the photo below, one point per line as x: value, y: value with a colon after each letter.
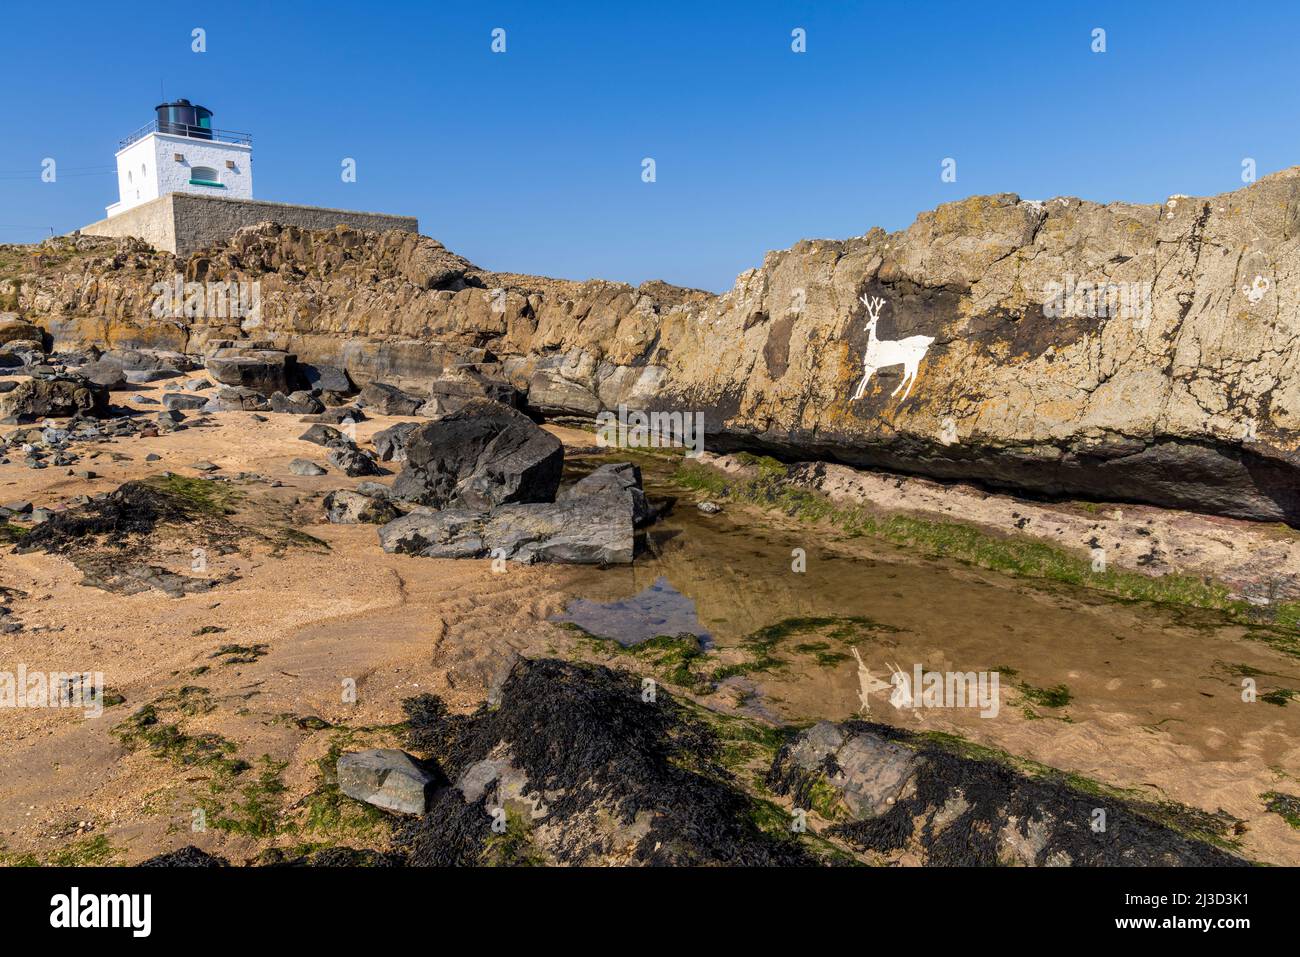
x: 890, y: 352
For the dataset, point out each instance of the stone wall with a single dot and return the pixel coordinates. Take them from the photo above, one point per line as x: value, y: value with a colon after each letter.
x: 182, y: 223
x: 153, y: 221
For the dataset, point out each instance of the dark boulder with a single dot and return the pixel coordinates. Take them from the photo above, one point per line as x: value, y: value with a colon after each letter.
x: 262, y: 370
x: 390, y: 443
x: 388, y: 400
x: 340, y: 415
x: 320, y: 434
x: 325, y: 378
x: 297, y: 403
x: 449, y: 533
x: 481, y: 456
x: 106, y: 374
x: 450, y: 392
x: 620, y: 481
x: 174, y: 401
x: 587, y: 530
x: 237, y: 399
x: 350, y: 460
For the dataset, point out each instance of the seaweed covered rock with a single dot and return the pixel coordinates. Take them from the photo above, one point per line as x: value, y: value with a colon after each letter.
x: 188, y: 856
x: 575, y: 767
x: 133, y: 509
x: 906, y: 797
x: 120, y: 540
x: 339, y: 856
x: 480, y: 456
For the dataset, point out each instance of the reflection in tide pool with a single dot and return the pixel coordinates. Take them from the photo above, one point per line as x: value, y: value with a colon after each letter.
x: 658, y: 610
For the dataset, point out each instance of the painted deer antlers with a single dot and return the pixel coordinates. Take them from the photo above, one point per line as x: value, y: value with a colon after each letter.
x: 873, y: 304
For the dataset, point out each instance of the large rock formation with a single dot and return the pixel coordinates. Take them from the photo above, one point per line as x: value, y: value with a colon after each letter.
x: 895, y: 793
x: 1125, y: 352
x: 481, y: 456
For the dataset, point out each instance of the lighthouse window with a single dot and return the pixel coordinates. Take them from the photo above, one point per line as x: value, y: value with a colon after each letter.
x: 204, y: 176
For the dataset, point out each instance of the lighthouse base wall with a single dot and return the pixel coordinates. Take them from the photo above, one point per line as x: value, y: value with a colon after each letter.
x: 182, y: 223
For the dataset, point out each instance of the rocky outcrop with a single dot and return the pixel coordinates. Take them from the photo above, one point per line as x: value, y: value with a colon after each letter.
x: 585, y: 530
x: 1122, y: 352
x: 54, y: 396
x: 892, y: 793
x: 15, y: 329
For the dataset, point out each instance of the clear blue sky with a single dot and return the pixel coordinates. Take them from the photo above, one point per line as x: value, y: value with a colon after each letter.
x: 530, y: 161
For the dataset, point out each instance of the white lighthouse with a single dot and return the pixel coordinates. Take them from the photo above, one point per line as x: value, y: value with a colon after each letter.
x: 180, y: 152
x: 183, y: 186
